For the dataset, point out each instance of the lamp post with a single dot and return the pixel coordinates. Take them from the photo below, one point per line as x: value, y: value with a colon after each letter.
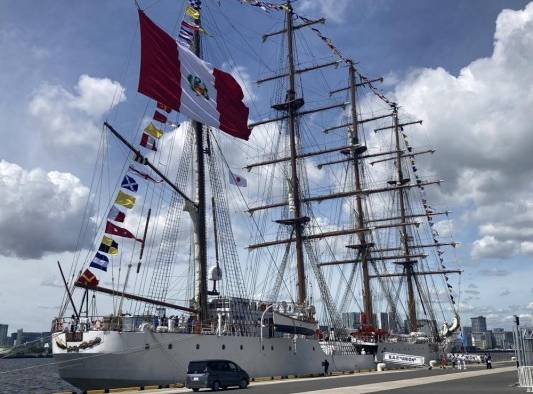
x: 262, y: 317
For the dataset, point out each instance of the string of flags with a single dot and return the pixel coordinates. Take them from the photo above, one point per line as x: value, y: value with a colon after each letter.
x: 188, y: 28
x: 264, y: 5
x: 428, y: 210
x: 125, y: 200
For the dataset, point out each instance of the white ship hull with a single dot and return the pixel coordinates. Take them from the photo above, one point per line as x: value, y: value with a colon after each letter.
x: 124, y: 359
x: 427, y: 350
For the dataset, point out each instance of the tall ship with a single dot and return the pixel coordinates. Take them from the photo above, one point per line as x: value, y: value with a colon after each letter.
x: 336, y: 219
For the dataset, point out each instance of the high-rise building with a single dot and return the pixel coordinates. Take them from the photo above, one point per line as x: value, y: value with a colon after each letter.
x: 384, y: 321
x: 18, y: 340
x: 3, y: 335
x: 479, y: 324
x: 498, y: 336
x: 467, y: 336
x: 482, y: 340
x: 509, y: 340
x: 351, y: 319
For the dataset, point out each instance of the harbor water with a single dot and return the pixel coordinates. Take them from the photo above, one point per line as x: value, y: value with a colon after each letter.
x: 31, y: 375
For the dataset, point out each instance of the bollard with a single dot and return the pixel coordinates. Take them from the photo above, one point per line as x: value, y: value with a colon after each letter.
x: 381, y: 367
x: 433, y: 363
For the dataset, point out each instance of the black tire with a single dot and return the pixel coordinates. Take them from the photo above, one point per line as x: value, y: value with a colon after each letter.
x: 216, y: 385
x: 243, y: 384
x: 195, y: 390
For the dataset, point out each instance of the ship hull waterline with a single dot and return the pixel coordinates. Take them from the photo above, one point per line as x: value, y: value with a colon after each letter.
x: 123, y: 359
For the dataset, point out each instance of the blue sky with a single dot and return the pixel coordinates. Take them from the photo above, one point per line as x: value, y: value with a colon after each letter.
x: 420, y: 46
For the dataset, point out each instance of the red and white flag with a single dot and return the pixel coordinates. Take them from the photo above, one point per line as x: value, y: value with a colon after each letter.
x: 148, y: 142
x: 116, y: 214
x: 177, y: 78
x: 237, y: 180
x: 113, y: 229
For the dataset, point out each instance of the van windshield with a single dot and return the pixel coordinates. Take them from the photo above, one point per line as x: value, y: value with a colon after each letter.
x: 197, y: 367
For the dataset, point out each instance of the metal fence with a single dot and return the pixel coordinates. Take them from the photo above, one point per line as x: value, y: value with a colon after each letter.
x: 523, y: 339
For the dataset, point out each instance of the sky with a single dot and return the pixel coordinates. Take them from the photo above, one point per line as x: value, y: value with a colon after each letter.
x: 461, y: 66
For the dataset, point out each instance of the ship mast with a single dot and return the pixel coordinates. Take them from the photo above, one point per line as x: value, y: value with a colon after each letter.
x: 200, y: 236
x: 294, y: 184
x: 356, y: 151
x: 408, y: 263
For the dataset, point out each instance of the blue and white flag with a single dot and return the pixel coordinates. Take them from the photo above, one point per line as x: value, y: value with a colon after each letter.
x: 100, y: 261
x: 130, y: 183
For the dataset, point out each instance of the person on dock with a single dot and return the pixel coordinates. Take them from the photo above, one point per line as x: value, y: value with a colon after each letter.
x: 488, y: 360
x: 443, y: 361
x: 325, y: 364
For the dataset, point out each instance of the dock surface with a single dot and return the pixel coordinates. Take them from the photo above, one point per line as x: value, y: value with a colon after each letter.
x: 501, y: 379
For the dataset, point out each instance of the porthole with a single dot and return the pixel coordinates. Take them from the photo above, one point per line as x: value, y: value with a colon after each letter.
x: 197, y: 346
x: 147, y: 346
x: 242, y: 347
x: 290, y: 348
x: 223, y: 347
x: 272, y: 348
x: 313, y: 348
x: 169, y: 346
x: 263, y: 347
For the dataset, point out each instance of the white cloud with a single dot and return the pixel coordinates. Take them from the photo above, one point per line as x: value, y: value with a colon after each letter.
x: 71, y: 120
x: 40, y: 211
x: 331, y: 9
x: 493, y: 272
x: 490, y: 247
x: 445, y: 227
x: 480, y: 122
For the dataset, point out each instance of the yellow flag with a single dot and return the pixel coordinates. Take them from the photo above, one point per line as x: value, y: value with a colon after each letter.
x: 125, y: 200
x: 109, y: 246
x: 192, y: 12
x: 153, y: 131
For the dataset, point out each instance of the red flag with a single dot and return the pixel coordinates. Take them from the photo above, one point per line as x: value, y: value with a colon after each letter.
x: 88, y: 279
x: 164, y: 107
x: 160, y: 117
x: 110, y: 228
x: 174, y: 76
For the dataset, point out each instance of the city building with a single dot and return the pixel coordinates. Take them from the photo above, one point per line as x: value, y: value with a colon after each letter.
x: 482, y: 340
x: 351, y: 319
x: 467, y: 336
x: 20, y: 338
x: 479, y: 324
x: 384, y: 321
x: 498, y: 338
x: 3, y: 335
x: 509, y: 340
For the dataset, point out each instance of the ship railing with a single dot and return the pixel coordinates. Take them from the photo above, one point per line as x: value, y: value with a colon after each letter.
x: 73, y: 325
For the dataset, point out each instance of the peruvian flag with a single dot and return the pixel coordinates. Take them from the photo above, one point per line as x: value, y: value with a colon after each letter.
x: 111, y: 228
x: 175, y: 77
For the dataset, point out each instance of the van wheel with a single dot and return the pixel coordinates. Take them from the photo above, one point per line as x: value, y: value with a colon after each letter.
x: 216, y: 385
x: 243, y: 384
